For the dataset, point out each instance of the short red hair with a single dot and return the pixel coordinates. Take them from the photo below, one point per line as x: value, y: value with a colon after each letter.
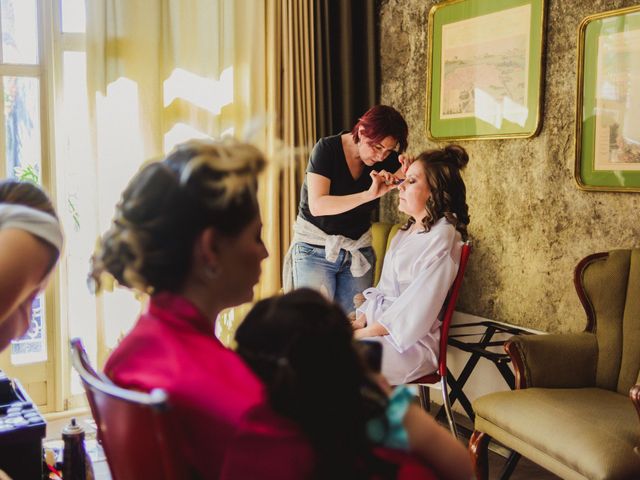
x: 380, y: 122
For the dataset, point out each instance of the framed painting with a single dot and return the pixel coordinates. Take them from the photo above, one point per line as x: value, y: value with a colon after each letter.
x: 485, y: 69
x: 608, y: 102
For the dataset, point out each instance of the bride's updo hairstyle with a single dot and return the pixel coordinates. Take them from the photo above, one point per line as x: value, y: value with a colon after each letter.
x: 448, y: 193
x: 168, y: 203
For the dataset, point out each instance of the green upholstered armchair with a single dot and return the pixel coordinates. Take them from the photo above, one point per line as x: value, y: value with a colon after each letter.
x: 571, y: 412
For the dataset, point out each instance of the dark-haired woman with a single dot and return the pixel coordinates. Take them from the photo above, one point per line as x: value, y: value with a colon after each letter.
x: 301, y: 346
x: 187, y: 231
x: 346, y: 175
x: 402, y: 311
x: 30, y: 244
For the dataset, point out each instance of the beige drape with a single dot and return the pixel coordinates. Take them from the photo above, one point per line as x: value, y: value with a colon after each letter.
x: 162, y: 71
x: 291, y: 97
x: 159, y: 71
x: 291, y: 131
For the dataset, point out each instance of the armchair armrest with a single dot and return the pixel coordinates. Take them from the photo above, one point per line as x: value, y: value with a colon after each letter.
x: 554, y: 361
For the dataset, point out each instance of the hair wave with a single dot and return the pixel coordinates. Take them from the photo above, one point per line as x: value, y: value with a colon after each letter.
x: 448, y: 196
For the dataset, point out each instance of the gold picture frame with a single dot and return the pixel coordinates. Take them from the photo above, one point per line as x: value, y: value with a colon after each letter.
x: 485, y: 69
x: 607, y: 141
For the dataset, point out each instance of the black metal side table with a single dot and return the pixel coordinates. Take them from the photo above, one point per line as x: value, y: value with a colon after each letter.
x: 480, y: 344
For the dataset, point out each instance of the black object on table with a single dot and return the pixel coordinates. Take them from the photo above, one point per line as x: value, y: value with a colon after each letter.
x: 21, y: 432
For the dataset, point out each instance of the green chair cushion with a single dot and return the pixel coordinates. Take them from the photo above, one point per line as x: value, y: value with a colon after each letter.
x: 381, y: 234
x: 574, y: 433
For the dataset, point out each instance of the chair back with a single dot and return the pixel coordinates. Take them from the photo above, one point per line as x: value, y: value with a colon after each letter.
x: 381, y: 236
x: 608, y: 284
x: 134, y: 428
x: 450, y: 306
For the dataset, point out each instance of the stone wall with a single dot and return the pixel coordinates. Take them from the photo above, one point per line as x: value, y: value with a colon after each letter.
x: 529, y: 222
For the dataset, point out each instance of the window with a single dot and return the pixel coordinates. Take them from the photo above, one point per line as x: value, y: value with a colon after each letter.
x: 21, y: 133
x: 43, y: 73
x: 45, y: 137
x: 24, y: 155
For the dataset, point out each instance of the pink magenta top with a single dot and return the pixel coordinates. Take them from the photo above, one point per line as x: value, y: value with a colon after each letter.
x: 226, y: 427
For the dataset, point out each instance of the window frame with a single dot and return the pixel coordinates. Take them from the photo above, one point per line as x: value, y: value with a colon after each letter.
x: 54, y: 372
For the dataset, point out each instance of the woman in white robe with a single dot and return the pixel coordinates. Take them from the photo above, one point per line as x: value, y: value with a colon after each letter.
x: 403, y: 311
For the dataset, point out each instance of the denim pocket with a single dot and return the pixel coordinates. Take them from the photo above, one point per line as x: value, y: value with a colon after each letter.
x: 302, y: 249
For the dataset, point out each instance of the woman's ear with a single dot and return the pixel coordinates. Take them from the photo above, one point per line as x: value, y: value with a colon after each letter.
x: 206, y: 247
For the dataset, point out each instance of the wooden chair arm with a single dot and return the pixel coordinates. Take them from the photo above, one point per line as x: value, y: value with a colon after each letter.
x: 634, y: 395
x: 554, y: 361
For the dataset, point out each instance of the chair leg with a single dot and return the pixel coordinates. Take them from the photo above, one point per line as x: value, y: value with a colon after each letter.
x: 510, y: 465
x: 478, y: 447
x: 447, y: 406
x: 425, y: 397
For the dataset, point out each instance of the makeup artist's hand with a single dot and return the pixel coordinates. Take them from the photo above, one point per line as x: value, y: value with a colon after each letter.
x: 406, y: 161
x: 381, y: 183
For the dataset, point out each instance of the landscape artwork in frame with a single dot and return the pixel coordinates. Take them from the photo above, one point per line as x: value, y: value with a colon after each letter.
x: 608, y: 103
x: 484, y: 73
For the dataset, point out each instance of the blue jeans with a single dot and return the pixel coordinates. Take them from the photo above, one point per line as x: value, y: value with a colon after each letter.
x: 334, y: 280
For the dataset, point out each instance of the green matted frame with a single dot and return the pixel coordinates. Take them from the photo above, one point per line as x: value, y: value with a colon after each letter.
x: 473, y: 125
x: 609, y: 176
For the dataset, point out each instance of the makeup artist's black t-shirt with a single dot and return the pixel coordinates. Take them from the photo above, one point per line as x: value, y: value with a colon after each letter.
x: 328, y: 159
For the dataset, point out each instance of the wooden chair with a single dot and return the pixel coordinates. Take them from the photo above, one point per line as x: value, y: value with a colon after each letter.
x: 134, y: 428
x: 440, y: 375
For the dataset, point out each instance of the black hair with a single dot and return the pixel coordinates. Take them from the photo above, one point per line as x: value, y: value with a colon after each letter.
x: 302, y: 347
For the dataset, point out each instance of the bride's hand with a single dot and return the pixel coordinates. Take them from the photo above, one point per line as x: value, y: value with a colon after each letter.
x: 358, y: 321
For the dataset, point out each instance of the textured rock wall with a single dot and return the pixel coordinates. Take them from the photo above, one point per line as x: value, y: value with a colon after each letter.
x: 529, y: 222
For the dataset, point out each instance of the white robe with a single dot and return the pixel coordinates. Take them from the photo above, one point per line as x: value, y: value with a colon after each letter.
x: 418, y: 271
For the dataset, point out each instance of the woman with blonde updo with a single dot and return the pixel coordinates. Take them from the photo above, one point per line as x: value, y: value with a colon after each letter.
x: 187, y: 231
x: 403, y: 310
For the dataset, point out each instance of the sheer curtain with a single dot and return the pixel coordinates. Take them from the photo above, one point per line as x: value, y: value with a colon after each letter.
x: 290, y: 102
x: 292, y: 96
x: 160, y: 72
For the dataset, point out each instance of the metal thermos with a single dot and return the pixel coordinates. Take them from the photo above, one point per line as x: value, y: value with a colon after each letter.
x: 76, y: 462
